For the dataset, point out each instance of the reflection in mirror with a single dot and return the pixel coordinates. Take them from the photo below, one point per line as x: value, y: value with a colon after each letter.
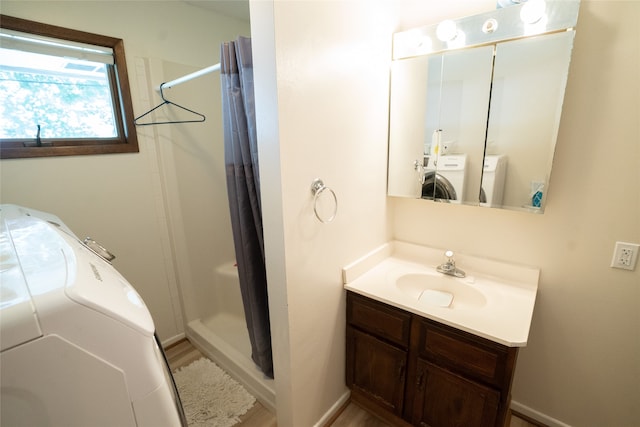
x: 526, y: 101
x: 474, y: 115
x: 406, y: 126
x: 457, y: 90
x: 438, y: 156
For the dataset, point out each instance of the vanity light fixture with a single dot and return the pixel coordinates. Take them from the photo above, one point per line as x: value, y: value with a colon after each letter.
x: 520, y: 18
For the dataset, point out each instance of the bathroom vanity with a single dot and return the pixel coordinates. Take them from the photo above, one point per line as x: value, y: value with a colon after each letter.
x: 423, y: 371
x: 418, y: 361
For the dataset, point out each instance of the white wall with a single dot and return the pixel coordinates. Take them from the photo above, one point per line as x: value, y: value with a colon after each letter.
x: 581, y: 366
x: 321, y: 69
x: 154, y: 208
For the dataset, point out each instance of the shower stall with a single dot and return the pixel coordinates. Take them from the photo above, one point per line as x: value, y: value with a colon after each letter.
x: 223, y: 336
x: 198, y: 209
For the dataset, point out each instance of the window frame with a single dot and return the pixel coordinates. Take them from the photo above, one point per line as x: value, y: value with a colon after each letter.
x: 126, y: 142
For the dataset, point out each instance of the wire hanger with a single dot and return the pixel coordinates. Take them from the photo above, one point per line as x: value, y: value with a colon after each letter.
x: 202, y: 118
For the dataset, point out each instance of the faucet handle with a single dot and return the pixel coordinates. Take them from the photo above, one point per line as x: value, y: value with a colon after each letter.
x: 449, y: 267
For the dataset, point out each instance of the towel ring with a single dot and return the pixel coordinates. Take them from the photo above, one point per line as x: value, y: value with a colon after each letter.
x: 317, y: 188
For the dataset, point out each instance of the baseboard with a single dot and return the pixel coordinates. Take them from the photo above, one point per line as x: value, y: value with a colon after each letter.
x: 170, y: 341
x: 329, y: 416
x: 539, y: 417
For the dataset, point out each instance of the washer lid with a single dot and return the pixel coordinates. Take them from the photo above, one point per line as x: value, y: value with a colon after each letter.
x: 100, y: 287
x: 18, y: 321
x: 57, y: 269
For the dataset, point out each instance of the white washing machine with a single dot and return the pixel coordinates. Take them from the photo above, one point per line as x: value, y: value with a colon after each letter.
x: 445, y: 178
x: 493, y: 175
x: 78, y: 344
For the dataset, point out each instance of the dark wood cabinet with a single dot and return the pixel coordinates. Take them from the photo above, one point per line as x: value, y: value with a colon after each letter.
x: 414, y: 371
x: 443, y: 398
x: 378, y: 370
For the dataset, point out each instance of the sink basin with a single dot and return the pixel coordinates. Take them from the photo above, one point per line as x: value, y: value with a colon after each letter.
x: 441, y: 290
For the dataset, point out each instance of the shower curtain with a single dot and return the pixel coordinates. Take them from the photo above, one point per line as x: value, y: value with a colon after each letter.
x: 243, y: 188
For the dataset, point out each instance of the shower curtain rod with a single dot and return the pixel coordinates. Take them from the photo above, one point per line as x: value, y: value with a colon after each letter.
x: 165, y: 101
x: 191, y: 76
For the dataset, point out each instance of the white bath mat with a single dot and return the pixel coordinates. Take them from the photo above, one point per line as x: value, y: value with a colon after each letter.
x: 210, y: 397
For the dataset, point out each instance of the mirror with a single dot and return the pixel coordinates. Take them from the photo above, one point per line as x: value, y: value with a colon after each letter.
x: 474, y: 118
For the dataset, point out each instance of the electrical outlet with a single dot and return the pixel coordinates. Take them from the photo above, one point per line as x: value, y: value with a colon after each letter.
x: 625, y: 256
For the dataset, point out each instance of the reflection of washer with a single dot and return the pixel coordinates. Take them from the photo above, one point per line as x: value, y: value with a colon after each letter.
x: 444, y: 178
x: 493, y: 174
x: 78, y: 345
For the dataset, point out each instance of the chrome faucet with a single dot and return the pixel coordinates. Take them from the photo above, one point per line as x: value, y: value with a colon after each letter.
x: 449, y: 267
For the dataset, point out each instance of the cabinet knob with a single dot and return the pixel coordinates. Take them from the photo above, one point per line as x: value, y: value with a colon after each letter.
x: 401, y: 371
x: 419, y: 380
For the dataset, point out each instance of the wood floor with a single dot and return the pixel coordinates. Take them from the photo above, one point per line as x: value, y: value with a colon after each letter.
x: 183, y: 353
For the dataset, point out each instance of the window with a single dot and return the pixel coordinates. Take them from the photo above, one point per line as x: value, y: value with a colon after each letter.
x: 62, y: 92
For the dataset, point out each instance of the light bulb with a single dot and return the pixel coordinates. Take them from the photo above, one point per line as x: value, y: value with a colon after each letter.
x: 447, y: 30
x: 532, y: 11
x: 489, y: 26
x: 458, y: 40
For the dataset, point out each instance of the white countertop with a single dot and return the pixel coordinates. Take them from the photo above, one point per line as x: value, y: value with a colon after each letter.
x: 508, y: 292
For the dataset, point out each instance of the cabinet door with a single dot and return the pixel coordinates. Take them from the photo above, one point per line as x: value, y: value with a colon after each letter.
x: 376, y: 369
x: 444, y: 399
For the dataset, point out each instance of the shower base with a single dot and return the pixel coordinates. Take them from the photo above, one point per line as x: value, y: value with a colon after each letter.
x: 225, y: 340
